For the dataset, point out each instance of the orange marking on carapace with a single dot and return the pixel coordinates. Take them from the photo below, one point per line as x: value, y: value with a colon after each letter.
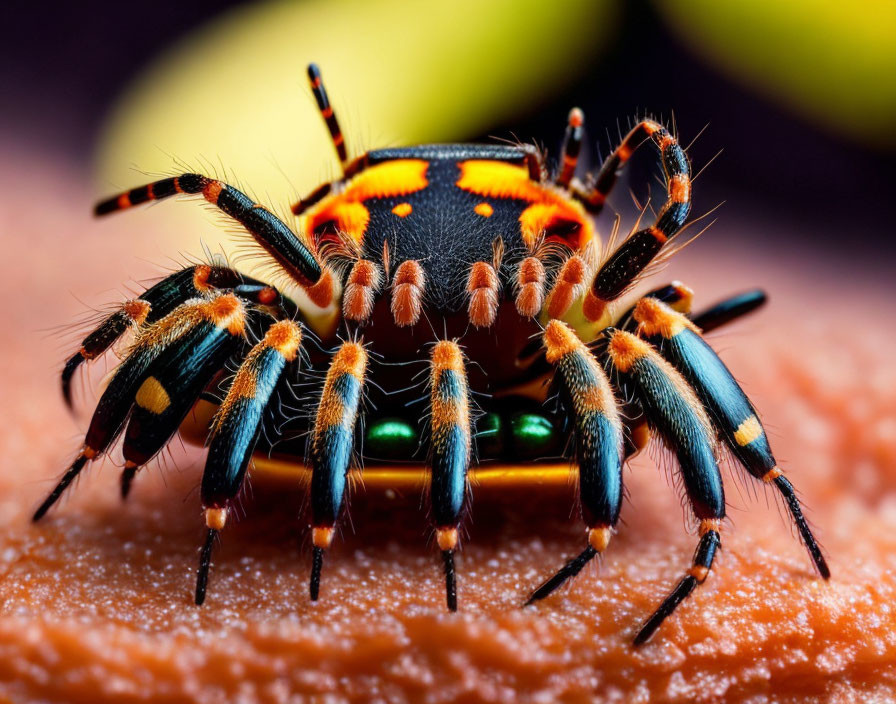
x: 482, y: 286
x: 484, y: 209
x: 407, y: 293
x: 548, y: 209
x: 567, y: 288
x: 402, y: 210
x: 530, y: 280
x: 212, y: 191
x: 625, y: 349
x: 346, y: 210
x: 363, y: 283
x: 656, y: 318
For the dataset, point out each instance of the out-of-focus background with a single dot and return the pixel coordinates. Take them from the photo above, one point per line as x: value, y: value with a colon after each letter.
x: 800, y: 100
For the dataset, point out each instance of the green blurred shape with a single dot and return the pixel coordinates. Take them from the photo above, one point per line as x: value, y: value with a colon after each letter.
x: 489, y: 436
x: 833, y: 62
x: 533, y: 435
x: 390, y: 439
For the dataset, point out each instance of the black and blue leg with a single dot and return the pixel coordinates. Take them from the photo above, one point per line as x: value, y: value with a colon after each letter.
x: 236, y: 429
x: 330, y: 450
x: 676, y: 415
x: 680, y: 341
x: 598, y: 434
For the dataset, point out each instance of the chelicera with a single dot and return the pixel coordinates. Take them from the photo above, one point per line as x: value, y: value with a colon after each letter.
x: 480, y: 260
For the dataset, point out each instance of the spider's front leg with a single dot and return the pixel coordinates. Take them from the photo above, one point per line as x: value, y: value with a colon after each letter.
x: 236, y: 428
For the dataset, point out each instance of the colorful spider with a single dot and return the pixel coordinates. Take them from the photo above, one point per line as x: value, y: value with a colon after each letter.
x: 480, y: 243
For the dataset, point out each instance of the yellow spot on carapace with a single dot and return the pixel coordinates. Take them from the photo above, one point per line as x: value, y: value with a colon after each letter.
x: 391, y: 178
x: 748, y: 431
x: 402, y: 210
x: 548, y: 208
x: 484, y: 209
x: 152, y: 396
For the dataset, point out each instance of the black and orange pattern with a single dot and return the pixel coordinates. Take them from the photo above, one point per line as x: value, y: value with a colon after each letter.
x: 494, y: 258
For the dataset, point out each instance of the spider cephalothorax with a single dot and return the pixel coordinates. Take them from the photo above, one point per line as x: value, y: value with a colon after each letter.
x: 477, y: 258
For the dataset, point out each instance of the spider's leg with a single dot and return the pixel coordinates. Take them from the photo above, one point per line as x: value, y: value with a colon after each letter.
x: 271, y: 233
x: 330, y: 448
x: 680, y: 341
x: 185, y: 328
x: 675, y: 294
x: 598, y: 440
x: 450, y: 452
x: 728, y: 310
x: 675, y: 413
x: 326, y: 111
x: 572, y: 146
x: 624, y: 266
x: 236, y: 429
x: 152, y: 305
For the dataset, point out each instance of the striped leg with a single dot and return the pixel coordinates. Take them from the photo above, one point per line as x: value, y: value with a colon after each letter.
x: 332, y: 443
x: 236, y: 429
x: 450, y: 452
x: 154, y: 304
x: 326, y: 111
x: 572, y: 146
x: 599, y: 445
x: 680, y: 341
x: 195, y: 324
x: 624, y: 266
x: 675, y: 413
x: 271, y: 233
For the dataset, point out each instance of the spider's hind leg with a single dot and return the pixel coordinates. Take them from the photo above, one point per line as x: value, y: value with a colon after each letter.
x: 738, y: 424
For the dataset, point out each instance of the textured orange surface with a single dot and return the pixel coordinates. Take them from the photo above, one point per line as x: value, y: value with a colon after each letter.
x: 96, y: 601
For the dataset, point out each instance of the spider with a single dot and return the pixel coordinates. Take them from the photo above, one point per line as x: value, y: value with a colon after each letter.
x: 487, y: 245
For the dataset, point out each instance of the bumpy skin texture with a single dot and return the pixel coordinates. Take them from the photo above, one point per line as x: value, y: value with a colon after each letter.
x: 96, y: 602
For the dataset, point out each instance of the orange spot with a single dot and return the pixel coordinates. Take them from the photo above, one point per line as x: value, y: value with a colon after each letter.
x: 599, y: 537
x: 89, y: 452
x: 657, y: 234
x: 212, y: 191
x: 267, y: 296
x: 447, y: 355
x: 402, y: 210
x: 327, y: 112
x: 625, y: 349
x: 484, y: 209
x: 391, y: 178
x: 772, y: 474
x: 322, y: 536
x: 227, y: 311
x: 559, y: 340
x: 699, y: 572
x: 137, y: 310
x: 447, y: 538
x: 124, y: 201
x: 624, y: 151
x: 200, y: 277
x: 215, y: 518
x: 680, y: 188
x: 576, y: 117
x: 656, y: 318
x: 708, y: 524
x: 284, y: 336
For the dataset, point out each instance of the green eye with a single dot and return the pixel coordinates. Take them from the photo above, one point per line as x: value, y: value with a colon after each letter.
x: 390, y: 439
x: 533, y: 435
x: 489, y: 440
